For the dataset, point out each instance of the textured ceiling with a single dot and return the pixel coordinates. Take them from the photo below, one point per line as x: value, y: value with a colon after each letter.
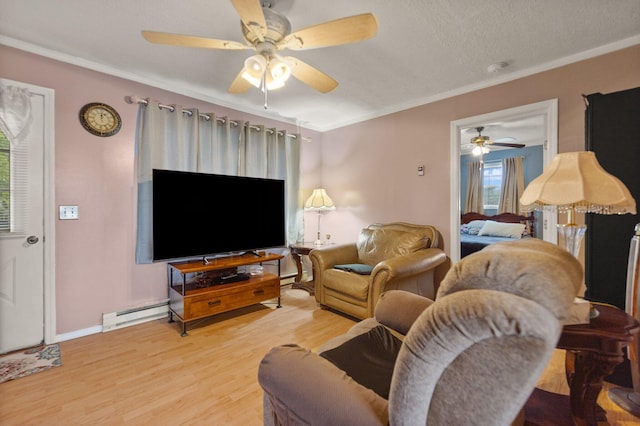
x: 423, y: 51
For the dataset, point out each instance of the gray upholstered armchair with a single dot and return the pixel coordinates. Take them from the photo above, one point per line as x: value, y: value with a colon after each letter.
x: 471, y: 357
x: 400, y: 256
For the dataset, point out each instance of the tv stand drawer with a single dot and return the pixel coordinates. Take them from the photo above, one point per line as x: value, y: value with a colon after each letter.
x: 231, y: 296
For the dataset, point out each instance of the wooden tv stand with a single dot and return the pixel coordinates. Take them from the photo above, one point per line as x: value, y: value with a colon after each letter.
x: 204, y: 289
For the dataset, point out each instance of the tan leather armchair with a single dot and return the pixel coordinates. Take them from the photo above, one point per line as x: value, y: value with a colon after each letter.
x: 404, y: 256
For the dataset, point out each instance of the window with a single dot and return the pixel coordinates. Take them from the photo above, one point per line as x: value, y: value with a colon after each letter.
x: 492, y: 181
x: 13, y: 186
x: 5, y: 183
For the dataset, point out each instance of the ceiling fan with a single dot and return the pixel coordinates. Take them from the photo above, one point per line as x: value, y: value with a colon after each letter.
x: 269, y: 32
x: 482, y: 143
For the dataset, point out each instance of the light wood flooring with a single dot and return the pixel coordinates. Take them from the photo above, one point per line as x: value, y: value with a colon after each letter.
x: 147, y: 374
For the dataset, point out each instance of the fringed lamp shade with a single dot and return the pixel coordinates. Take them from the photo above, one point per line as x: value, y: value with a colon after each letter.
x: 575, y: 181
x: 319, y: 200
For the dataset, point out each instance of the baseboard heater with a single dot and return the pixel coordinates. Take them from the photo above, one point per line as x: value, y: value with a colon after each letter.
x: 128, y: 317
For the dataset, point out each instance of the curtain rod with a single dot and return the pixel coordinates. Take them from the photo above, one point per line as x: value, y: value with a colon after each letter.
x: 138, y: 100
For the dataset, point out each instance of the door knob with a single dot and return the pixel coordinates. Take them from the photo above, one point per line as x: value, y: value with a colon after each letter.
x: 32, y: 239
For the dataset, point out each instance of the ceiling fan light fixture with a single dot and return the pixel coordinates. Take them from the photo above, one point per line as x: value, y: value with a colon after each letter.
x: 275, y: 72
x: 280, y: 71
x: 255, y: 66
x: 479, y: 150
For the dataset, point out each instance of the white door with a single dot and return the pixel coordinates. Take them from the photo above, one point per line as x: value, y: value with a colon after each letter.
x: 22, y: 231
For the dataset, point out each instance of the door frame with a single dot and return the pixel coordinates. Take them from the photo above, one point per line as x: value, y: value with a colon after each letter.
x: 49, y: 239
x: 549, y: 109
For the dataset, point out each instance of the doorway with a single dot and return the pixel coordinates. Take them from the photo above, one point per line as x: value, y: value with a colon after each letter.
x: 549, y: 112
x: 27, y: 241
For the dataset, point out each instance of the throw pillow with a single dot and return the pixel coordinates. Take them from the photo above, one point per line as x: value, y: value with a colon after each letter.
x: 358, y: 268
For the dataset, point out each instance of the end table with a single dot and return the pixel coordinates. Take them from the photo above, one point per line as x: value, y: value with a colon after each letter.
x: 592, y: 352
x: 297, y: 251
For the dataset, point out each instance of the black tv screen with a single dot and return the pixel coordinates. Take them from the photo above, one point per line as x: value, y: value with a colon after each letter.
x: 200, y: 214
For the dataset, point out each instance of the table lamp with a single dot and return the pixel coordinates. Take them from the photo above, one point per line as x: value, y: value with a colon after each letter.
x: 576, y: 182
x: 319, y: 202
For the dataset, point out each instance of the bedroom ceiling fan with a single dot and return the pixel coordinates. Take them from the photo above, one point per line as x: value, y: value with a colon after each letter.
x: 481, y: 143
x: 268, y: 32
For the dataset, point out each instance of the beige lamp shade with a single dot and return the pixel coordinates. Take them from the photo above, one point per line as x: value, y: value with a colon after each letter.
x: 319, y: 200
x: 576, y: 181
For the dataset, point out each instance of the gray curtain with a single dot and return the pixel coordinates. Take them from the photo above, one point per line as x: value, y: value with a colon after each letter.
x: 473, y: 200
x: 187, y: 140
x: 512, y: 185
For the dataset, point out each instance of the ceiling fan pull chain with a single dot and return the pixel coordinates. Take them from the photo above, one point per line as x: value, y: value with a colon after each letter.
x: 266, y: 93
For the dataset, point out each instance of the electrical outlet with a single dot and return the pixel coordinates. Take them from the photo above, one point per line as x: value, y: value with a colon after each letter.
x: 68, y: 212
x: 420, y: 170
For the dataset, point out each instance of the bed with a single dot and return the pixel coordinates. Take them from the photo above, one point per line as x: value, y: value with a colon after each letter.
x: 478, y: 230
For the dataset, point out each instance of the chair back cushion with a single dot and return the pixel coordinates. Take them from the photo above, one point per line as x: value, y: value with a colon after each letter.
x: 531, y: 268
x: 381, y: 241
x: 474, y: 356
x: 429, y: 233
x: 376, y: 245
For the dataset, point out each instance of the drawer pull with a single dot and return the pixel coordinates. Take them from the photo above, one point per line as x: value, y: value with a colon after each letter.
x: 257, y: 292
x: 214, y: 303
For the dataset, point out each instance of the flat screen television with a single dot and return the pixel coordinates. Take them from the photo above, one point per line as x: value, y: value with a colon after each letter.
x: 201, y: 214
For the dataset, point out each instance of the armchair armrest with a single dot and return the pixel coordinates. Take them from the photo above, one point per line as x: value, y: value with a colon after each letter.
x: 306, y: 388
x: 326, y: 257
x: 411, y: 263
x: 399, y: 309
x: 404, y: 266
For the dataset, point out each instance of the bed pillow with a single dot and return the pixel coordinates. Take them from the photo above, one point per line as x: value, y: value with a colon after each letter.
x: 473, y: 227
x: 500, y: 229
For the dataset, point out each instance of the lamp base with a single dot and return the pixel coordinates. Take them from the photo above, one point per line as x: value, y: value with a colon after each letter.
x: 571, y: 239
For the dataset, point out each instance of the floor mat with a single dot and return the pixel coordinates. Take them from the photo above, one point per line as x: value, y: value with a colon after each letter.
x: 29, y: 361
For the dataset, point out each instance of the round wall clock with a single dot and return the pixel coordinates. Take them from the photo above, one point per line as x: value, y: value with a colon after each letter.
x: 100, y: 119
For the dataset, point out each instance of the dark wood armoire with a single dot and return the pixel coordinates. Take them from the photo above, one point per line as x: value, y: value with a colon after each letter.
x: 612, y: 132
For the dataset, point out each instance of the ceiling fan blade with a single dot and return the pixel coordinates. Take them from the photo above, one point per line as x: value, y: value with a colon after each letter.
x: 191, y: 41
x: 252, y: 17
x: 332, y: 33
x: 239, y: 84
x: 512, y: 145
x: 311, y: 76
x: 505, y: 139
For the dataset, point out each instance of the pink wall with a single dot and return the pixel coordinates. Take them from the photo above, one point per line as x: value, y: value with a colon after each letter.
x: 368, y: 168
x: 95, y: 267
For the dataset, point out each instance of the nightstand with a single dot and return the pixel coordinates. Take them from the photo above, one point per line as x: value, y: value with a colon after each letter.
x: 297, y: 251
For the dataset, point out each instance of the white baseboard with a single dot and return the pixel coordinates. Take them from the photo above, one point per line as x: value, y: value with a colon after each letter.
x: 78, y: 333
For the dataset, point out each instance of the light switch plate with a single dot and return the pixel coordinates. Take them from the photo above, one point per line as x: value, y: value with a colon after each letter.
x: 68, y: 212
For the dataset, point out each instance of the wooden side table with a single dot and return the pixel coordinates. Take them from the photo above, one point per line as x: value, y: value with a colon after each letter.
x: 592, y: 352
x: 297, y: 251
